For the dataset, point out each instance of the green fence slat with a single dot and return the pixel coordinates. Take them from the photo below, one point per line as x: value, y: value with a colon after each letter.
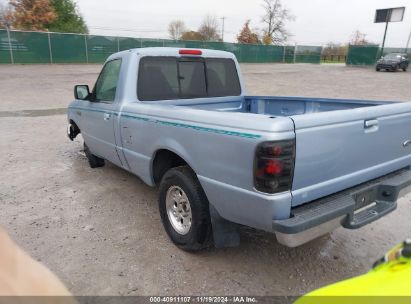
x: 30, y: 47
x: 152, y: 43
x: 100, y: 47
x: 129, y: 43
x: 68, y: 48
x: 289, y: 54
x: 4, y: 48
x: 362, y: 54
x: 33, y: 47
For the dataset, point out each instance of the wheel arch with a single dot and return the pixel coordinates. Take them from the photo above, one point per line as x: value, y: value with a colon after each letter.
x: 73, y: 129
x: 163, y: 160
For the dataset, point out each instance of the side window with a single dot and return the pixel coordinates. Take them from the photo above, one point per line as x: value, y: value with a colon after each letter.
x: 106, y: 85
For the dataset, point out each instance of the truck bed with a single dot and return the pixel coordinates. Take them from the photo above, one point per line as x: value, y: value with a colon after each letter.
x: 281, y: 106
x: 339, y: 143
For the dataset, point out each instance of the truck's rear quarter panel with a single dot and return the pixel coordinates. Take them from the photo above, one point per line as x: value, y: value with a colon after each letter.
x: 221, y: 155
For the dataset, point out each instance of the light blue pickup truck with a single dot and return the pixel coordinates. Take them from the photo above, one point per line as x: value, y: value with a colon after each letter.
x: 298, y: 167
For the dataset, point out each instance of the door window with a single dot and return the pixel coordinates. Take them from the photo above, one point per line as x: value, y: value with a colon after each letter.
x: 106, y: 85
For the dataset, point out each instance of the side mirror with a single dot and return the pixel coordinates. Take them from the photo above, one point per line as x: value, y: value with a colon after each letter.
x: 81, y: 92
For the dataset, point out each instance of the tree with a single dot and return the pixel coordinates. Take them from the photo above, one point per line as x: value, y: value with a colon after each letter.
x: 358, y: 38
x: 5, y: 15
x: 32, y: 14
x: 192, y: 35
x: 275, y: 18
x: 335, y: 49
x: 246, y: 36
x: 267, y: 40
x: 209, y: 29
x: 176, y: 29
x: 68, y: 20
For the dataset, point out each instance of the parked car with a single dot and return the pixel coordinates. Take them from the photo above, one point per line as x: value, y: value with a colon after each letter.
x: 393, y: 62
x: 298, y: 167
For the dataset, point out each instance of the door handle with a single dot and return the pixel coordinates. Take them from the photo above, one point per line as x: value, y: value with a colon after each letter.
x: 370, y: 123
x: 107, y: 116
x: 371, y: 126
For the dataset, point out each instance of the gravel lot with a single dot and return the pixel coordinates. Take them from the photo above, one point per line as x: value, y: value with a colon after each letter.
x: 100, y: 231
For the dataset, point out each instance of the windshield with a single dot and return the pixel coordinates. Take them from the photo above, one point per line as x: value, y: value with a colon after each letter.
x: 392, y: 56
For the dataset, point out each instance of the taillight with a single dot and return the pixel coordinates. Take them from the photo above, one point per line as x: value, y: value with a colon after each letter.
x: 190, y: 52
x: 274, y: 166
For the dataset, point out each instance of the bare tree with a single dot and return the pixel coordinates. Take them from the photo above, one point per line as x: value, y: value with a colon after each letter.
x: 209, y: 29
x: 275, y: 19
x: 358, y: 38
x: 176, y: 29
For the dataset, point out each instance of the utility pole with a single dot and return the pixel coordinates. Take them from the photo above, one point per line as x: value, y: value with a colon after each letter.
x: 408, y: 43
x: 222, y: 29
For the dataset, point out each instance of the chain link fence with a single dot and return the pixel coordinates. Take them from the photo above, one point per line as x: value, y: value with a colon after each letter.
x: 368, y: 54
x: 45, y: 47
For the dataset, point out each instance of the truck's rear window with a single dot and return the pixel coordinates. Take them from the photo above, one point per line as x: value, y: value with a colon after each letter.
x: 163, y: 78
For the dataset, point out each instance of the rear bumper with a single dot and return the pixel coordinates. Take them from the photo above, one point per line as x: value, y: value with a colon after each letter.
x: 351, y: 208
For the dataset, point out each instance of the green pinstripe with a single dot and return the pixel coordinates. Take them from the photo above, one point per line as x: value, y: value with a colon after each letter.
x: 175, y: 124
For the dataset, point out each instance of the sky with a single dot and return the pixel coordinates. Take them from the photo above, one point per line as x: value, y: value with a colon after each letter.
x: 317, y: 22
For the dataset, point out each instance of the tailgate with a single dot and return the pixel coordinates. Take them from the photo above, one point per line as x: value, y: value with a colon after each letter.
x: 340, y: 149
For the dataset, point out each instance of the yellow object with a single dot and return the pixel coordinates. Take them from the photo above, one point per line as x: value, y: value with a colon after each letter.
x: 388, y: 282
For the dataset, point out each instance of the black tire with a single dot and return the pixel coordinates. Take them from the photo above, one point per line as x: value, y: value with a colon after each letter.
x: 199, y: 235
x: 404, y: 69
x: 377, y: 69
x: 94, y: 161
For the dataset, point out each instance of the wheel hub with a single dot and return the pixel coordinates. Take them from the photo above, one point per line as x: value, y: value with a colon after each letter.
x: 178, y: 210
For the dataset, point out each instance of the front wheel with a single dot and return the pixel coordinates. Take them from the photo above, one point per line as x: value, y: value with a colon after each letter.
x: 184, y: 209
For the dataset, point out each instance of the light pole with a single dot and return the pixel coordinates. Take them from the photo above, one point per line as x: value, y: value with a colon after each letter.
x: 385, y: 36
x: 408, y: 43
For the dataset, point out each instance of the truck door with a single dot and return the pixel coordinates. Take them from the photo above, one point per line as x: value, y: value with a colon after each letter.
x: 98, y: 119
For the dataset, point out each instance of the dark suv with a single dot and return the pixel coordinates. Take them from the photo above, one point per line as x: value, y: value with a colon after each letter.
x: 393, y: 62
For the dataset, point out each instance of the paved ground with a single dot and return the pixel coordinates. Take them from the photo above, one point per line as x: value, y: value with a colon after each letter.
x: 99, y: 230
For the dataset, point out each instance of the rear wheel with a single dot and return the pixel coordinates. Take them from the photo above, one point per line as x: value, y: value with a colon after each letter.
x: 184, y: 209
x: 93, y: 160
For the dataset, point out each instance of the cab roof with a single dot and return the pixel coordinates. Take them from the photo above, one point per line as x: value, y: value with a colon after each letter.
x: 174, y: 52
